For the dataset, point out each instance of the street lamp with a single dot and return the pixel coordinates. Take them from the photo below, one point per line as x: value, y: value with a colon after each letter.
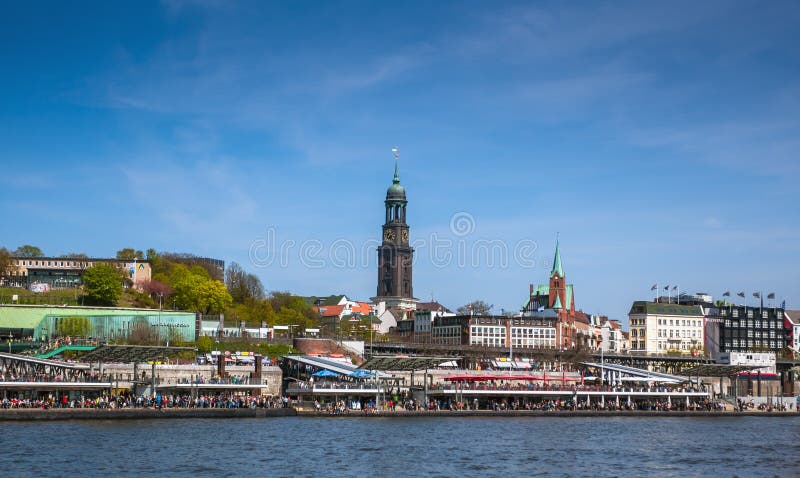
x: 160, y: 297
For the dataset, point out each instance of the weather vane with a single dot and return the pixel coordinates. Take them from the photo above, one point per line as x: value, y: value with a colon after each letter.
x: 396, y: 153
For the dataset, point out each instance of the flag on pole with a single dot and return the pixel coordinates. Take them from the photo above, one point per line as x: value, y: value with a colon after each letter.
x: 771, y: 295
x: 666, y: 288
x: 757, y: 295
x: 783, y: 305
x: 741, y: 294
x: 674, y: 287
x: 655, y: 286
x: 727, y: 293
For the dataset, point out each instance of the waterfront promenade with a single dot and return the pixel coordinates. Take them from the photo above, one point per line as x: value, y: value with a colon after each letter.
x: 37, y: 414
x: 55, y: 414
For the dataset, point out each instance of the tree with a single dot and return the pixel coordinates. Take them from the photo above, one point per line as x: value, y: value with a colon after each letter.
x: 102, y: 284
x: 74, y: 327
x: 28, y: 251
x: 241, y: 285
x: 157, y: 290
x: 142, y: 332
x: 5, y: 262
x: 129, y: 254
x: 205, y: 344
x: 253, y: 312
x: 287, y: 316
x: 195, y: 290
x: 476, y: 307
x: 212, y: 296
x: 73, y: 255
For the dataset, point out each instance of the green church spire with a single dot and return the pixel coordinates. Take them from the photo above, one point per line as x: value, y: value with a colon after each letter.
x: 557, y: 269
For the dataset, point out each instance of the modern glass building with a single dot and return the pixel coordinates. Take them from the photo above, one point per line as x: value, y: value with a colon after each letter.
x: 42, y: 323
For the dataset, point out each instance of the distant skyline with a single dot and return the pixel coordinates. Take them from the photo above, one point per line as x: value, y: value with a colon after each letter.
x: 661, y: 141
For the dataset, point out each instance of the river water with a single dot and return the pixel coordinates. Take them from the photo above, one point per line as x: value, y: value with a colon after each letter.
x: 406, y: 447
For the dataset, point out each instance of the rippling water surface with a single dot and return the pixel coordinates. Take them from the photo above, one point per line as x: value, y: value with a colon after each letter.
x: 410, y: 447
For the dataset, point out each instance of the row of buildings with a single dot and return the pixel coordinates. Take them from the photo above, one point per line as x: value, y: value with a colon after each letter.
x: 64, y: 272
x: 548, y: 319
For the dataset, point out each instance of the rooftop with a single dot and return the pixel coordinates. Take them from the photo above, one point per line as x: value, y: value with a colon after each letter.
x: 653, y: 308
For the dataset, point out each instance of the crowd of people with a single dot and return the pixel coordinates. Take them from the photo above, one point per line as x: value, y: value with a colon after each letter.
x: 216, y: 379
x: 158, y: 402
x: 11, y: 375
x: 744, y: 405
x: 533, y: 386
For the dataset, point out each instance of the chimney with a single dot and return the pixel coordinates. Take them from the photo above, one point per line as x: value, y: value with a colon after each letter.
x: 531, y: 289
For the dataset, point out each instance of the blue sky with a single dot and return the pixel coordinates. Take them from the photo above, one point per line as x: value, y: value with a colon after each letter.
x: 661, y: 140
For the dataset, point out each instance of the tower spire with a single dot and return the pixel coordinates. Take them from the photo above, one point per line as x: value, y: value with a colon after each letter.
x: 396, y: 152
x: 557, y: 269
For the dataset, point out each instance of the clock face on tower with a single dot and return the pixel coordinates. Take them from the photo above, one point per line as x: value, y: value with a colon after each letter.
x: 404, y: 235
x: 389, y: 235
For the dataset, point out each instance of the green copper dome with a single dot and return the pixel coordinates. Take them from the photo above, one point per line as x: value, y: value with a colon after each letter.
x: 396, y: 191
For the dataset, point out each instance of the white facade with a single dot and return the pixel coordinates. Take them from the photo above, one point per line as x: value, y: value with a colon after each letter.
x: 533, y: 337
x: 612, y: 339
x: 662, y: 328
x: 387, y: 318
x: 764, y: 361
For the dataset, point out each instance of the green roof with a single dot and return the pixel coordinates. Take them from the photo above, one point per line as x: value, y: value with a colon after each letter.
x: 557, y: 269
x: 542, y: 290
x: 568, y: 296
x: 558, y: 305
x: 396, y: 191
x: 656, y: 308
x: 329, y: 300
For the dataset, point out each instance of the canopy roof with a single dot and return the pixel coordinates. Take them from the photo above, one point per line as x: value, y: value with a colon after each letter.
x: 555, y: 377
x: 331, y: 365
x: 404, y: 362
x: 131, y: 353
x: 637, y: 374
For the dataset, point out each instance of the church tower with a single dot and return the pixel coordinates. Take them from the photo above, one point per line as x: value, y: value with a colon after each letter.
x: 395, y: 255
x: 560, y: 292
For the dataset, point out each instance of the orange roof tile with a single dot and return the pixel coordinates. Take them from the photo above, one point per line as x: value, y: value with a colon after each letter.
x: 330, y: 310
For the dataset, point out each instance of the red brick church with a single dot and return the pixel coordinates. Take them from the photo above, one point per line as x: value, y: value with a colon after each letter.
x: 556, y: 301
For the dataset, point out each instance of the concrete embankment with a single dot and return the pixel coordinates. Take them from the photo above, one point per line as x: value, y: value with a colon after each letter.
x: 541, y: 413
x: 147, y: 413
x: 141, y: 413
